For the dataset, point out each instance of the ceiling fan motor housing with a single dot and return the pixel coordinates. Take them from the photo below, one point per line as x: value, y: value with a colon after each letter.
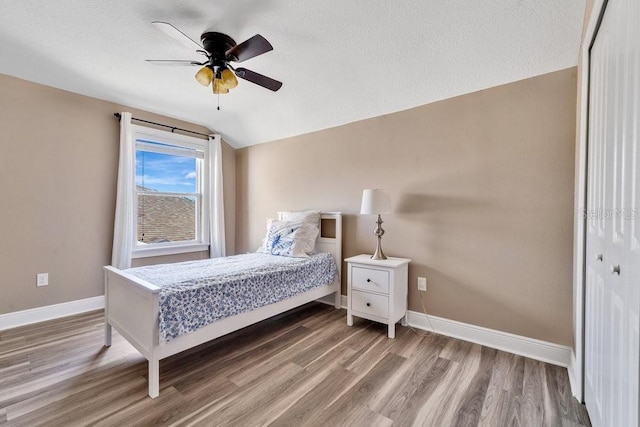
x: 217, y: 44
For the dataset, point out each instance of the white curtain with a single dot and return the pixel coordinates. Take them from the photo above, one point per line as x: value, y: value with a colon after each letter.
x: 124, y: 221
x: 216, y: 201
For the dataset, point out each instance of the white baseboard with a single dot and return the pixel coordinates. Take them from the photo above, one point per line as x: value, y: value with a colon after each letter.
x: 49, y: 312
x: 529, y: 347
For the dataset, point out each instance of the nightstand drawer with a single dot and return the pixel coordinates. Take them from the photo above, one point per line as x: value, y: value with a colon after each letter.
x: 369, y: 279
x: 375, y: 305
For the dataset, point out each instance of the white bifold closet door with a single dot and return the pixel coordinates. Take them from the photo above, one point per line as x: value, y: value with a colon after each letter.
x: 612, y: 298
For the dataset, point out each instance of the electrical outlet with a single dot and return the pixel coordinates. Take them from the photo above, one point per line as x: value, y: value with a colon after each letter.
x: 42, y: 279
x: 422, y: 283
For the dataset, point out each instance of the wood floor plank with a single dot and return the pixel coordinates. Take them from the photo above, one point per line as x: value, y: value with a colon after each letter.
x: 369, y: 356
x: 303, y: 352
x: 321, y: 319
x: 501, y: 387
x: 85, y: 408
x: 57, y: 327
x: 365, y: 417
x: 8, y: 345
x: 245, y: 341
x: 495, y: 408
x: 570, y: 409
x: 514, y: 413
x: 458, y: 351
x: 54, y: 365
x: 331, y: 338
x: 417, y: 383
x: 470, y: 409
x: 554, y: 411
x: 33, y: 385
x: 117, y: 373
x: 246, y: 401
x: 222, y: 368
x: 14, y: 371
x: 533, y: 395
x: 310, y: 405
x: 515, y: 374
x: 145, y: 412
x: 304, y: 367
x: 360, y: 393
x: 408, y: 343
x: 570, y: 423
x: 286, y: 395
x: 444, y: 403
x: 406, y: 407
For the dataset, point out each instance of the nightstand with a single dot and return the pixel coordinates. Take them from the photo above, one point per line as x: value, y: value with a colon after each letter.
x: 377, y: 290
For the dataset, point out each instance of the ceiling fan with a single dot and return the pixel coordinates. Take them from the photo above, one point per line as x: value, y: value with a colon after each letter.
x: 220, y: 50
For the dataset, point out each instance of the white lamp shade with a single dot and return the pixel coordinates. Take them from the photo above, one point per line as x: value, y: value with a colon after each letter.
x: 375, y: 202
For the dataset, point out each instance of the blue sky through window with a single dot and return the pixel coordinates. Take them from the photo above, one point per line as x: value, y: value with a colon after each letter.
x: 165, y: 172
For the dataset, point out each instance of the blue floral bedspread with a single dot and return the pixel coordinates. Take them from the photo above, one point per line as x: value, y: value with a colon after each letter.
x: 197, y: 293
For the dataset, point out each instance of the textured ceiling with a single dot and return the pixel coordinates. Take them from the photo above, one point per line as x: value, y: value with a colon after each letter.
x: 340, y: 61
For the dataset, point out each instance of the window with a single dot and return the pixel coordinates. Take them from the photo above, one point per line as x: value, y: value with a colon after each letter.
x: 171, y: 201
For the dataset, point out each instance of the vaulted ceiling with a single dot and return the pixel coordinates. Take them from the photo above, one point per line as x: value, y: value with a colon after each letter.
x: 340, y: 60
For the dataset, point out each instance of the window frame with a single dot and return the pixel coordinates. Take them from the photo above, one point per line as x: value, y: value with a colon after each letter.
x: 203, y: 173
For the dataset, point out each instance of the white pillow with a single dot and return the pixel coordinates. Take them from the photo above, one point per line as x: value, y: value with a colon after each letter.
x: 287, y: 238
x: 306, y: 237
x: 311, y: 217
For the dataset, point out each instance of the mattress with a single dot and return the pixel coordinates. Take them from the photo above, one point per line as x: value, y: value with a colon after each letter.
x: 197, y: 293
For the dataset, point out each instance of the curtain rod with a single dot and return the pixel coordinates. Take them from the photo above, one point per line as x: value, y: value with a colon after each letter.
x: 173, y: 128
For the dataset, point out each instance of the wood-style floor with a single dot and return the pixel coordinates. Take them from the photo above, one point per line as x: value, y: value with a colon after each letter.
x: 305, y: 367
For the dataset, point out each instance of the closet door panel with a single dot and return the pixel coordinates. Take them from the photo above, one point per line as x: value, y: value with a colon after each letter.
x: 612, y: 297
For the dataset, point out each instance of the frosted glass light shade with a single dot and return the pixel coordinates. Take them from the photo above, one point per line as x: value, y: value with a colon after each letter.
x: 229, y: 80
x: 375, y: 202
x: 204, y: 76
x: 218, y: 87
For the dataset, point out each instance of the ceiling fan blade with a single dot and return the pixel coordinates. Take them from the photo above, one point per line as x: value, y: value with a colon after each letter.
x: 178, y: 62
x: 176, y: 34
x: 256, y: 45
x: 258, y: 79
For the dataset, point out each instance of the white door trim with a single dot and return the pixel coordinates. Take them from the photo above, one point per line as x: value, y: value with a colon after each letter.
x: 579, y: 240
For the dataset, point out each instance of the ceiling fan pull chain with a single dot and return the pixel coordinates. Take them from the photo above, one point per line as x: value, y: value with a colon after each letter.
x: 218, y: 102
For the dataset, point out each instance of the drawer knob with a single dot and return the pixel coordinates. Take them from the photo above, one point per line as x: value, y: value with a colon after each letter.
x: 615, y: 269
x: 368, y: 280
x: 368, y: 304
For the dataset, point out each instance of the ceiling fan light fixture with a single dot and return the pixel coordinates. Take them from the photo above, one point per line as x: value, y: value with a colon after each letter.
x: 218, y: 87
x: 220, y: 50
x: 229, y: 80
x: 204, y: 76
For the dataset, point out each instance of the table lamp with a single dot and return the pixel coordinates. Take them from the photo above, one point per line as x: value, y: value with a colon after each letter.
x: 376, y: 202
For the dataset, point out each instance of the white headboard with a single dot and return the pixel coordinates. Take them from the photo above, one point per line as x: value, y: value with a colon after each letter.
x: 331, y: 239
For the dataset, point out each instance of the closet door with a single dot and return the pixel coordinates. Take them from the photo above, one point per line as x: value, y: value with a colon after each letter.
x: 612, y: 300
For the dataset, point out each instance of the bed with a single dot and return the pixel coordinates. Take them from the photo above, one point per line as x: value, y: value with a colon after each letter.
x: 133, y: 305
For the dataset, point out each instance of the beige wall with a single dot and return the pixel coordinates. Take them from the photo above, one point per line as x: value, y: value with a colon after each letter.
x: 482, y: 188
x: 58, y: 171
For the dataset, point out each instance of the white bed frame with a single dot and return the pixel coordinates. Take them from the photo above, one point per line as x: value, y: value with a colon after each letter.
x: 132, y: 308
